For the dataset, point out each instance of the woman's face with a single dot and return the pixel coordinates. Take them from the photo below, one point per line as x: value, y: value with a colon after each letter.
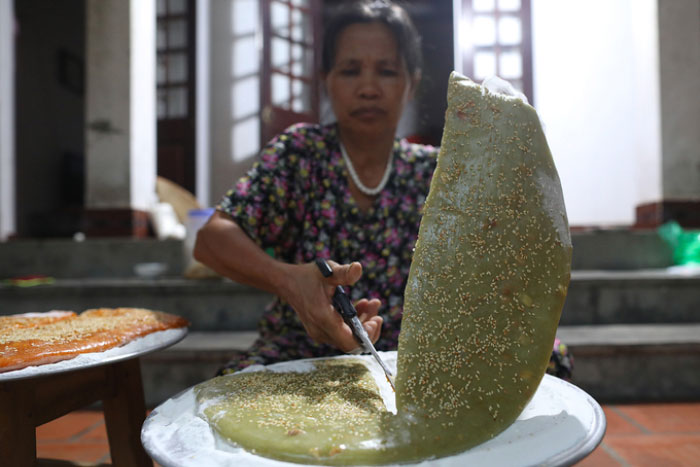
x: 369, y: 84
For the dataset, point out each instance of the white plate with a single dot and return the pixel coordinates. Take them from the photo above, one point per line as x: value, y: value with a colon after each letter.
x: 561, y: 425
x: 136, y: 348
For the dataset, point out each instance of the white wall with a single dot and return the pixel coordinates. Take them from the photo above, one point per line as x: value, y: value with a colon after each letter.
x: 679, y: 46
x: 7, y: 131
x: 142, y: 102
x: 596, y: 87
x: 235, y: 98
x: 120, y: 104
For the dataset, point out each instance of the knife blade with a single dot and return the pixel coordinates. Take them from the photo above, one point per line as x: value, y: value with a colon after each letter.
x: 343, y: 305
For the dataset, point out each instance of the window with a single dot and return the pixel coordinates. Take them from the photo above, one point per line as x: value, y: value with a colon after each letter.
x: 496, y: 40
x: 245, y: 80
x: 292, y: 55
x: 173, y: 66
x: 291, y: 43
x: 176, y: 80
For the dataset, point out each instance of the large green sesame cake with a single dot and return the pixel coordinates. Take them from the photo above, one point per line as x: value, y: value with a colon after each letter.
x: 482, y: 304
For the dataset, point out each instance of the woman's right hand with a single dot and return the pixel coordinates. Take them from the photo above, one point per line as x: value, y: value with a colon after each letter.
x: 310, y: 295
x: 224, y: 246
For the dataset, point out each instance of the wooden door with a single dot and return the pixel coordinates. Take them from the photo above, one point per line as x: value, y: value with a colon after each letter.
x: 290, y: 63
x: 176, y: 91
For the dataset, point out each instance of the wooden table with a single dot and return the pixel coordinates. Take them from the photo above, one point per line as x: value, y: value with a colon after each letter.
x: 27, y: 402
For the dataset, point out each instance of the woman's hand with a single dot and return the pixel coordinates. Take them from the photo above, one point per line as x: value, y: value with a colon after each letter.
x: 223, y: 246
x: 310, y: 295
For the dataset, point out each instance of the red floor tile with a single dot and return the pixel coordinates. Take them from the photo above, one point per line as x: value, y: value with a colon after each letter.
x: 76, y: 452
x: 637, y: 435
x: 80, y: 436
x: 665, y: 418
x: 658, y: 450
x: 599, y: 458
x: 98, y: 433
x: 617, y: 424
x: 68, y: 426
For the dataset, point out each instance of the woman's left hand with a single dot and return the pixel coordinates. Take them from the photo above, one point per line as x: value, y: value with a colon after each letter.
x: 367, y: 311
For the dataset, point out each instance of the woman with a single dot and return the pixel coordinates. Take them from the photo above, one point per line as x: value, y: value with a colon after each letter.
x: 306, y: 199
x: 349, y: 192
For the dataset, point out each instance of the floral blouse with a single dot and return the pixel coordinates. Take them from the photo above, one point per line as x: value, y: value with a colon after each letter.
x: 295, y: 203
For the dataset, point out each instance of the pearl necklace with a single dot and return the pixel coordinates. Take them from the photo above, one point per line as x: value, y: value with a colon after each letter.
x: 356, y: 180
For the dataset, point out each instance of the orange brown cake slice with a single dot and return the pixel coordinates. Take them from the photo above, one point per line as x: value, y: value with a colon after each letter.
x: 32, y: 320
x: 41, y: 338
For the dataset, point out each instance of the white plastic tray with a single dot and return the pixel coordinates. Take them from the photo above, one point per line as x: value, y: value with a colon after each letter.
x: 561, y: 425
x: 136, y: 348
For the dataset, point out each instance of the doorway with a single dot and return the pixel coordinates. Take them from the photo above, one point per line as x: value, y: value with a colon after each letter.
x: 49, y: 117
x: 176, y: 82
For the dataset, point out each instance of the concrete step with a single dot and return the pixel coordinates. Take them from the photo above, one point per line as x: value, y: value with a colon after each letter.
x: 640, y: 296
x: 209, y: 305
x: 99, y: 257
x: 636, y: 362
x: 614, y: 363
x: 595, y: 297
x: 619, y: 249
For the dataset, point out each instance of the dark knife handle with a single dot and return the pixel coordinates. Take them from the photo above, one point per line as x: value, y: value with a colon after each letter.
x: 340, y: 298
x: 324, y: 267
x: 343, y: 305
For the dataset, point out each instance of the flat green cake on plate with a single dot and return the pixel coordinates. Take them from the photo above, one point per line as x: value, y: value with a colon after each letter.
x: 482, y: 303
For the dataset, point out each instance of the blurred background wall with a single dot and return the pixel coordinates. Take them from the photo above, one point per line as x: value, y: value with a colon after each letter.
x: 596, y: 76
x: 614, y: 81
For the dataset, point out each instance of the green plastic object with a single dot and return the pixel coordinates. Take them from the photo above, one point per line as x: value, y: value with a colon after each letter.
x: 685, y: 243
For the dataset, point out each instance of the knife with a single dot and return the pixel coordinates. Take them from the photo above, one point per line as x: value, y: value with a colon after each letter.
x: 343, y: 305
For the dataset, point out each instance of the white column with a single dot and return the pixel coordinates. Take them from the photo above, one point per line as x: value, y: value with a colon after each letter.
x: 7, y: 130
x: 459, y: 36
x: 202, y: 127
x: 679, y: 65
x: 144, y: 143
x: 120, y: 104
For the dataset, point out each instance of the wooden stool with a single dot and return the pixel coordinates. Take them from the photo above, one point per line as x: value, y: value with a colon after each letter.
x: 29, y: 402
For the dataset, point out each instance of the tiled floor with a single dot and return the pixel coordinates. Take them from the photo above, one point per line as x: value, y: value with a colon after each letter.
x: 79, y: 436
x: 638, y: 435
x: 649, y: 435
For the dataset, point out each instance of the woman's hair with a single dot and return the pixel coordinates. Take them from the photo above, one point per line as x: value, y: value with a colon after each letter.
x: 380, y: 11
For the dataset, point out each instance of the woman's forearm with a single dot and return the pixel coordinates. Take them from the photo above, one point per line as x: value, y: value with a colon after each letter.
x: 224, y: 247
